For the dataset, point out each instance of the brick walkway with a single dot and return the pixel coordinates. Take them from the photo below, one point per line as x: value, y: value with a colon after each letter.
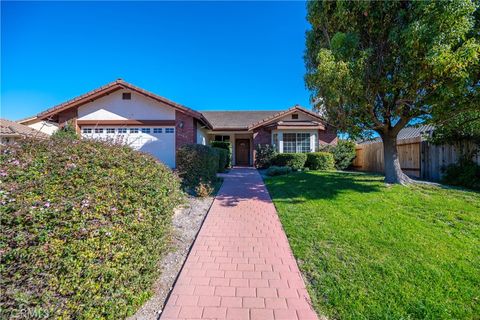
x: 241, y: 266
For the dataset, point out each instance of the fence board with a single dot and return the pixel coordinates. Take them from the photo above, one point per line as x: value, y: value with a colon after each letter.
x: 418, y: 158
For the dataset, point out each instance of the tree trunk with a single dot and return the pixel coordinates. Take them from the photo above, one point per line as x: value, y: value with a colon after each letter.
x: 393, y: 171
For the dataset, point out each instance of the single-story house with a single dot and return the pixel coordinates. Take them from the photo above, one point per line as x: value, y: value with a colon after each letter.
x: 154, y: 124
x: 12, y: 131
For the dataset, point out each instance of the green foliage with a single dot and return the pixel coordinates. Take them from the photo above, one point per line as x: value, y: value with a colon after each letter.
x: 372, y: 63
x: 371, y: 251
x: 84, y: 224
x: 222, y: 159
x: 465, y: 173
x: 224, y: 145
x: 460, y: 127
x: 264, y: 153
x: 66, y: 132
x: 197, y: 164
x: 376, y: 65
x: 278, y: 171
x: 320, y: 161
x: 296, y: 161
x: 343, y: 153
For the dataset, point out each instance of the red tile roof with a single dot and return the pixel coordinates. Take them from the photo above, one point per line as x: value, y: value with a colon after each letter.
x: 111, y: 87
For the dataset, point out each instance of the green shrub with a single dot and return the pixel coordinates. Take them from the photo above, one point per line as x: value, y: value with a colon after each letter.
x: 465, y: 173
x: 278, y: 171
x: 296, y: 161
x: 320, y: 161
x: 197, y: 164
x: 264, y: 155
x: 84, y: 225
x: 222, y: 159
x: 66, y: 132
x: 343, y: 153
x: 224, y: 145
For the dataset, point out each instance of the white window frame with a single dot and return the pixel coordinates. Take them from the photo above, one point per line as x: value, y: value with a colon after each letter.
x: 312, y: 144
x: 169, y: 130
x: 145, y: 130
x: 110, y: 130
x: 134, y: 130
x: 122, y: 130
x: 157, y: 130
x: 86, y: 130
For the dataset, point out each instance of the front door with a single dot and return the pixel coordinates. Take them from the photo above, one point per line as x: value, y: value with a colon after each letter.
x: 242, y: 152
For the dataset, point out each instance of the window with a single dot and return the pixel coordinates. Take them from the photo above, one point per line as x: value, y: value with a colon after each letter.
x: 122, y: 130
x: 303, y: 142
x: 157, y: 130
x: 110, y: 130
x: 168, y: 130
x: 222, y: 138
x: 126, y: 96
x: 145, y: 130
x: 98, y: 130
x: 275, y: 141
x: 133, y: 130
x: 296, y: 142
x: 295, y: 116
x: 289, y: 142
x: 87, y: 130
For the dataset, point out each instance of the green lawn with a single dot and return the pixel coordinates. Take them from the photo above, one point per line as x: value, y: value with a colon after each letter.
x: 371, y: 251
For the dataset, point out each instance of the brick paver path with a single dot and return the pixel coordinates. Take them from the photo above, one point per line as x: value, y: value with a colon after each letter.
x: 241, y: 265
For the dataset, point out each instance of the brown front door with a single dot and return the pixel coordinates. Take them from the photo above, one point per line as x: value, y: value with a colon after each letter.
x: 242, y: 152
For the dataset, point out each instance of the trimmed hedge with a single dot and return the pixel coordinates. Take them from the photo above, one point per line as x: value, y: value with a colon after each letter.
x: 224, y: 145
x: 84, y: 225
x: 343, y: 153
x: 264, y: 154
x: 320, y: 161
x: 197, y: 164
x: 222, y: 159
x: 278, y: 171
x: 296, y: 161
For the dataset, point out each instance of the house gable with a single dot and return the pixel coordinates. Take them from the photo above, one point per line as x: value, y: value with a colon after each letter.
x: 114, y: 107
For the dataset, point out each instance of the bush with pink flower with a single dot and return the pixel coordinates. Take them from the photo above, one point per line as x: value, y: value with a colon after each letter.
x: 83, y: 226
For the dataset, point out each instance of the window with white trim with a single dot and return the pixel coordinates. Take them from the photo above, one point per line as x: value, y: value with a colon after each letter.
x: 296, y: 142
x: 110, y: 130
x: 122, y: 130
x: 133, y: 130
x: 169, y: 130
x: 98, y: 130
x: 157, y: 130
x: 275, y: 141
x: 145, y: 130
x: 87, y: 130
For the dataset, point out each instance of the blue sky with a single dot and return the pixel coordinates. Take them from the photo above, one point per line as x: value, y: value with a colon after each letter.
x: 205, y: 55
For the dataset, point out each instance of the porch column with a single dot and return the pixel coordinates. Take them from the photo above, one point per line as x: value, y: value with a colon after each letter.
x: 280, y: 142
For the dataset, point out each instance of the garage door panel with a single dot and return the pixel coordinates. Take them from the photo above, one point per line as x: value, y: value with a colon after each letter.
x: 155, y: 141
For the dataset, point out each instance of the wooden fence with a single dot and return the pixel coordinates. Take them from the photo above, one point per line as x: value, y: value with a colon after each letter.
x: 418, y: 158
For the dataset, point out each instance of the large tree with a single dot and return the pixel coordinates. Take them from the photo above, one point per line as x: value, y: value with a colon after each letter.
x: 376, y: 66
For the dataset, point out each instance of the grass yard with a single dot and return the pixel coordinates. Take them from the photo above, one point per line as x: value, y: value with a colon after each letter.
x: 376, y: 252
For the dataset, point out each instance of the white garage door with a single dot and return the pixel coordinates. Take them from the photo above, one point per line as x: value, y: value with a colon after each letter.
x: 159, y: 141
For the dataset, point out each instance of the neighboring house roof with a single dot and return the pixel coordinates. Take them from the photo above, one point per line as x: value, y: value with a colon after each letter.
x: 14, y: 129
x: 247, y: 120
x: 406, y: 133
x: 27, y: 120
x: 111, y: 87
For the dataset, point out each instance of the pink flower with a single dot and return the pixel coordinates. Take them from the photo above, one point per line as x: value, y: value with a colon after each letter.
x: 47, y: 204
